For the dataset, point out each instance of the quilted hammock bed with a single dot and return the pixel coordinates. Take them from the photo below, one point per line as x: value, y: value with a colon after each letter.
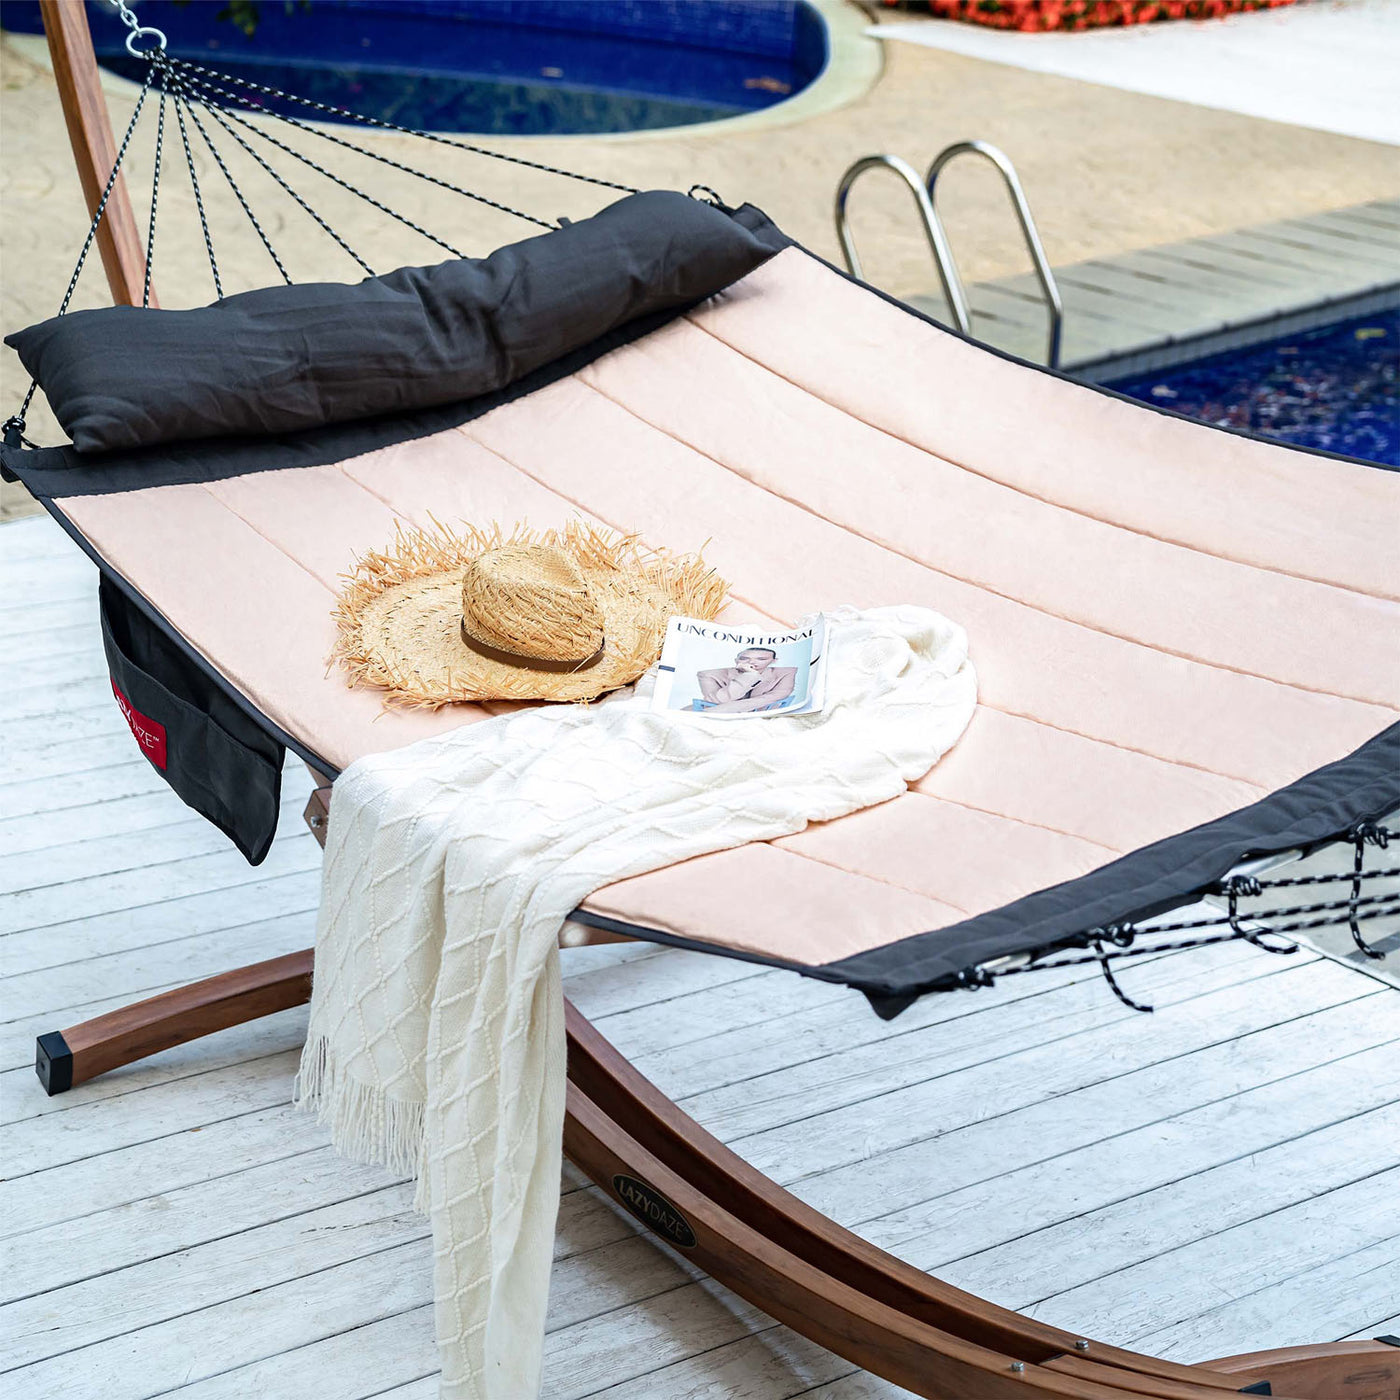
x: 1186, y: 638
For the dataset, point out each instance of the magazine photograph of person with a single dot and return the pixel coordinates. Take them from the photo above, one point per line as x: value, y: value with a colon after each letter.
x: 732, y: 672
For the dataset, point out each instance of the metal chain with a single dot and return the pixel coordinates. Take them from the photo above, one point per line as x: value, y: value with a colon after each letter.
x: 347, y: 115
x: 138, y: 31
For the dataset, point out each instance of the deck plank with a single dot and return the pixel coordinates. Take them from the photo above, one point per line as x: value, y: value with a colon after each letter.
x: 123, y: 852
x: 1233, y: 1264
x: 879, y: 1110
x: 1320, y: 1302
x: 1389, y: 1326
x: 1039, y: 1133
x: 133, y: 889
x: 1216, y: 1178
x: 145, y: 926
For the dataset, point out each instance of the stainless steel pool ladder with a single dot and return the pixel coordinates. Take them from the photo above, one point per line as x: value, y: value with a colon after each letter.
x: 924, y: 201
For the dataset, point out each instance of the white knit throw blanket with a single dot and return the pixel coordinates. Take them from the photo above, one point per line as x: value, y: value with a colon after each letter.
x: 436, y: 1044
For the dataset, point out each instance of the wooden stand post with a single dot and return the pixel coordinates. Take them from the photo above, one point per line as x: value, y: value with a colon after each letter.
x: 94, y: 151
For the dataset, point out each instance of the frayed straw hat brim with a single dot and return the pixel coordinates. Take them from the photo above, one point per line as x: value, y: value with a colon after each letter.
x: 399, y: 618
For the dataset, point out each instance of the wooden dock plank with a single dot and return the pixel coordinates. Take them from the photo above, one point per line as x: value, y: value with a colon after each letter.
x: 37, y: 701
x: 28, y: 670
x: 224, y: 870
x: 1388, y: 1326
x: 1334, y: 270
x: 267, y: 896
x: 119, y: 853
x: 879, y: 1109
x: 354, y: 1364
x: 1129, y: 303
x: 38, y: 616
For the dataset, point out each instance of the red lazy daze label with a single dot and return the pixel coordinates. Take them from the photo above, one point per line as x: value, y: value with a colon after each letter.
x: 150, y: 733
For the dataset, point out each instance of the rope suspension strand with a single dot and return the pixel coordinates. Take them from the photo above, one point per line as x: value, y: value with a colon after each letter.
x: 1107, y: 968
x: 198, y: 196
x: 232, y: 184
x: 15, y: 424
x: 1362, y: 834
x: 344, y: 114
x: 190, y: 72
x: 192, y: 90
x: 155, y: 196
x: 222, y: 120
x: 1235, y: 887
x: 1129, y: 940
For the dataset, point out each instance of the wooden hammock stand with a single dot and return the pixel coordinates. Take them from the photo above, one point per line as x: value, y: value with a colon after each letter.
x: 659, y: 1164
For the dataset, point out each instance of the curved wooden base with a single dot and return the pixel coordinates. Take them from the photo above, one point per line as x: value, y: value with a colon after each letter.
x: 1333, y: 1371
x: 756, y: 1238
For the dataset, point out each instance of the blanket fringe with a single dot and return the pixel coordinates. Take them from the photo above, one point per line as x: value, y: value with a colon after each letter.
x: 366, y: 1124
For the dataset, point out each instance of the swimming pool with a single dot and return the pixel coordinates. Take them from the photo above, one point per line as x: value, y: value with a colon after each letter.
x: 496, y: 67
x: 1335, y: 388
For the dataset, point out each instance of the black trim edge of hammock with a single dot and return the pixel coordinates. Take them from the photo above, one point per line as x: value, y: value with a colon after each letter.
x: 1319, y: 807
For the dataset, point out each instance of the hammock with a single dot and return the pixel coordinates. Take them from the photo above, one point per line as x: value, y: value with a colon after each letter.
x: 1186, y: 637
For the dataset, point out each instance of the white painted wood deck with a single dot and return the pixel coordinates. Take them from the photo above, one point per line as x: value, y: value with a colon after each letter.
x: 1217, y: 1177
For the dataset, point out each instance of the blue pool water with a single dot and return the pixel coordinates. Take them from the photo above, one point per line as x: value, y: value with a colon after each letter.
x: 502, y: 67
x: 1336, y: 388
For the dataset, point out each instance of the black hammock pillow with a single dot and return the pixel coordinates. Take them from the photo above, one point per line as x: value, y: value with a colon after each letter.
x: 284, y: 358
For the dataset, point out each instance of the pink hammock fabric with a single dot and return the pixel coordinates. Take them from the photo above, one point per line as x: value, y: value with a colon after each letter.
x: 1168, y: 621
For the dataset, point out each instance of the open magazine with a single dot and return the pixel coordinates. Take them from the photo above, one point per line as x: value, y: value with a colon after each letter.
x: 742, y: 672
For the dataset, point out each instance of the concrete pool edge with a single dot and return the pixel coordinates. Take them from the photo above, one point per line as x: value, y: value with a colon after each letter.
x: 854, y: 63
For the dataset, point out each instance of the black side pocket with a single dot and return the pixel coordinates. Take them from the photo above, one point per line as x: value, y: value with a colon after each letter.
x: 215, y: 757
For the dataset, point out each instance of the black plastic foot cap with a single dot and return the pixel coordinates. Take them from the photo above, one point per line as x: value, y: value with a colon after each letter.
x: 53, y: 1063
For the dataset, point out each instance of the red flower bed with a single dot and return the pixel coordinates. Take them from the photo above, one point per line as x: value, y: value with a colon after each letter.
x: 1038, y: 15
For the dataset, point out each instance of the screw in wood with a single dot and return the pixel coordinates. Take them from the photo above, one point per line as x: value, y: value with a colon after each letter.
x: 1018, y: 1366
x: 1081, y: 1345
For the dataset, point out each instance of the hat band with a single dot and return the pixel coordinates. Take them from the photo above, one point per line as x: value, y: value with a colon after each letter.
x: 529, y: 663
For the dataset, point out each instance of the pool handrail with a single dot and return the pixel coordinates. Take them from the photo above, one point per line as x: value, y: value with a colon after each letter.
x: 953, y: 292
x: 949, y: 278
x: 1044, y: 273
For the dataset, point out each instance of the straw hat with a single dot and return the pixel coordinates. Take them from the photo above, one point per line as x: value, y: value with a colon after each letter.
x: 484, y: 615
